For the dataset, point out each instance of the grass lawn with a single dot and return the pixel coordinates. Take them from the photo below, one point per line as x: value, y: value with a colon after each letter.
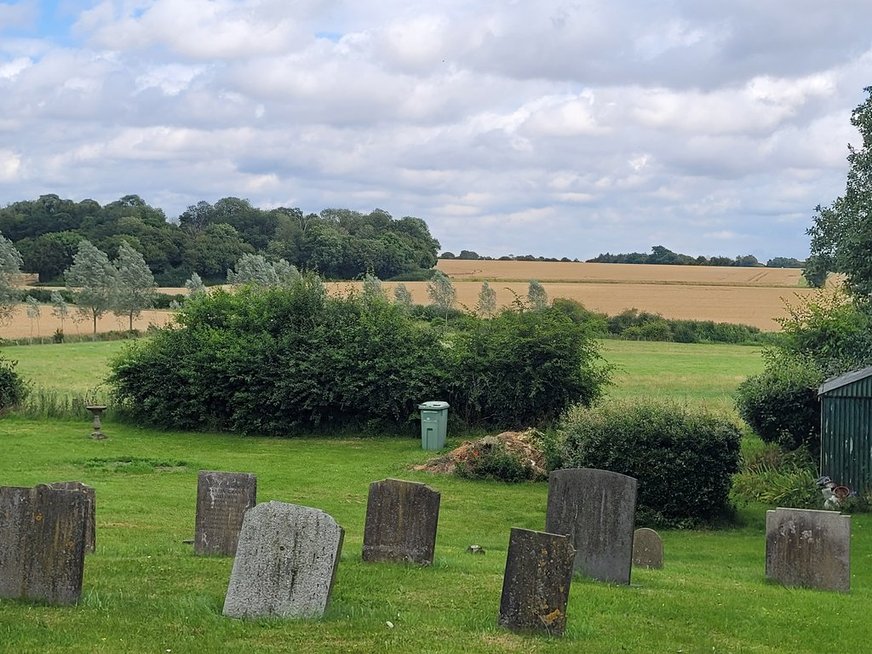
x: 145, y: 591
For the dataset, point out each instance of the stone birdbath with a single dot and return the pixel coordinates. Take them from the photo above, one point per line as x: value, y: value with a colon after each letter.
x: 97, y: 411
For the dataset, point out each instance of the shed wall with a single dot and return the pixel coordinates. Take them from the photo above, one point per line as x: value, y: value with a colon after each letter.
x: 846, y: 435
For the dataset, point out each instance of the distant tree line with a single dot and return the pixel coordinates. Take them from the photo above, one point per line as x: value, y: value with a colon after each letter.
x: 208, y: 239
x: 471, y: 255
x: 663, y: 255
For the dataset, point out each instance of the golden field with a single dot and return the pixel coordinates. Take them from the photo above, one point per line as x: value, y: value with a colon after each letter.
x: 22, y: 327
x: 619, y: 273
x: 750, y: 296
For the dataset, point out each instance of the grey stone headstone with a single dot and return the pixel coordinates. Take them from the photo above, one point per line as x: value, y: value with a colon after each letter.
x: 222, y: 500
x: 647, y: 549
x: 536, y: 582
x: 401, y: 520
x: 42, y: 544
x: 809, y: 548
x: 285, y: 564
x: 90, y: 507
x: 597, y: 510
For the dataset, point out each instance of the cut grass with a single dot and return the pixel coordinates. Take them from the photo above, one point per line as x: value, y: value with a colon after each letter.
x: 144, y: 590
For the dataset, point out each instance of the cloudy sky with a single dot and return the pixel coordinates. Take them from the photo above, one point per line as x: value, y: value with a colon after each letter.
x: 556, y: 127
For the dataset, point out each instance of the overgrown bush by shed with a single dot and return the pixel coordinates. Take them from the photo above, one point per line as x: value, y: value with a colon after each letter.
x: 781, y: 404
x: 683, y: 457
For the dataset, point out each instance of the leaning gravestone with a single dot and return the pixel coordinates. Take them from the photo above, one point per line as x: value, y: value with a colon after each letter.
x: 647, y: 549
x: 222, y: 500
x: 809, y: 548
x: 536, y: 582
x: 285, y: 564
x: 42, y: 544
x: 596, y: 509
x: 401, y: 520
x: 89, y: 508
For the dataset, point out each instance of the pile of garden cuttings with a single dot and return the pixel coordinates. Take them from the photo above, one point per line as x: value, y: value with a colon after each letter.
x: 522, y: 444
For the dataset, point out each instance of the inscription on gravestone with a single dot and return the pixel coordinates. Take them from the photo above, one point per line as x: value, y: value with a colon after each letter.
x: 401, y: 521
x: 89, y: 508
x: 222, y: 500
x: 809, y: 548
x: 536, y: 582
x: 596, y: 509
x: 285, y: 564
x: 42, y: 544
x: 647, y: 549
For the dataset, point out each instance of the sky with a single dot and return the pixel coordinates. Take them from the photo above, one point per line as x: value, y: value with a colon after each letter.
x: 554, y: 128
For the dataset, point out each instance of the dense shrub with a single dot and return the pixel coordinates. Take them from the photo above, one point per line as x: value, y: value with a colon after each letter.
x: 781, y: 404
x: 277, y: 360
x: 43, y: 295
x: 633, y: 324
x: 595, y: 323
x: 165, y: 300
x: 13, y: 389
x: 495, y: 462
x: 778, y: 479
x: 523, y: 368
x: 280, y: 360
x: 682, y: 457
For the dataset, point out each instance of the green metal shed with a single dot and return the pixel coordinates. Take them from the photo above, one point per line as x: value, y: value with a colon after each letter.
x: 846, y: 429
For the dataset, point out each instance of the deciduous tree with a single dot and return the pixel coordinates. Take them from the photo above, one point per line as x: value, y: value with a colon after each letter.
x: 134, y: 288
x: 92, y: 278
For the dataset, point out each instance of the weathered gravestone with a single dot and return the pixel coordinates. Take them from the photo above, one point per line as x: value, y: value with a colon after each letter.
x: 647, y: 549
x: 285, y: 564
x: 42, y: 544
x: 596, y: 509
x: 401, y: 520
x: 536, y: 582
x: 222, y: 500
x: 89, y: 508
x: 809, y: 548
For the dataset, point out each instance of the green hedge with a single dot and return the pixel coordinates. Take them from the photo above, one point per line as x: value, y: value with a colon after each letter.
x: 13, y: 389
x: 683, y: 457
x: 781, y: 404
x: 284, y: 360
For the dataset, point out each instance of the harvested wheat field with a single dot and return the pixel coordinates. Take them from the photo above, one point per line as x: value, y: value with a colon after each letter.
x: 23, y: 327
x: 619, y: 273
x: 757, y: 306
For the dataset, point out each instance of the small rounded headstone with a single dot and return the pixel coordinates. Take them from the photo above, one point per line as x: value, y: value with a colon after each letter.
x: 647, y: 549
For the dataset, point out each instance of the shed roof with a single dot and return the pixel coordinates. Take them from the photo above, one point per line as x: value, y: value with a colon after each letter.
x: 833, y: 383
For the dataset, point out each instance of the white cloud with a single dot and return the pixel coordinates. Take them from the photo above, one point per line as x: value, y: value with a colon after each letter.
x: 572, y: 127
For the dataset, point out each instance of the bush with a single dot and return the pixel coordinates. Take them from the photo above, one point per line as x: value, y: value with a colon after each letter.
x: 781, y: 405
x: 278, y: 360
x: 595, y: 323
x: 682, y: 457
x: 777, y: 479
x: 494, y: 462
x: 165, y: 300
x: 523, y: 368
x: 13, y: 389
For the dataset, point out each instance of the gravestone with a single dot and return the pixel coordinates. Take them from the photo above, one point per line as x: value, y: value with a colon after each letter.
x: 89, y: 508
x: 647, y: 549
x: 42, y: 544
x: 596, y: 509
x: 401, y: 520
x: 809, y: 548
x: 536, y: 582
x: 222, y: 500
x: 285, y: 563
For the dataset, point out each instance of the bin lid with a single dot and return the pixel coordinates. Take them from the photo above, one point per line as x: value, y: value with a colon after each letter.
x: 433, y: 405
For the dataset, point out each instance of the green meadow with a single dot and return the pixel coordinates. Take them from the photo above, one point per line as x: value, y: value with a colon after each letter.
x: 145, y: 591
